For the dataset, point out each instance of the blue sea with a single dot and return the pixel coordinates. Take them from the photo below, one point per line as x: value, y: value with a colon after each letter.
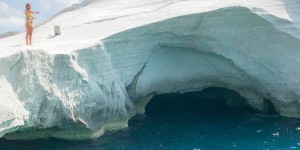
x: 194, y: 121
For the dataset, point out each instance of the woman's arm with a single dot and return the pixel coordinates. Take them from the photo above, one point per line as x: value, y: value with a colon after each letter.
x: 34, y: 12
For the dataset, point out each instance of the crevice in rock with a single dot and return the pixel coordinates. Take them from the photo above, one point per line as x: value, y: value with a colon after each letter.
x: 132, y: 86
x: 269, y: 107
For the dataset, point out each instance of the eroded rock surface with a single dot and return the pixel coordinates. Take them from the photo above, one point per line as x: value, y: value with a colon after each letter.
x: 80, y: 92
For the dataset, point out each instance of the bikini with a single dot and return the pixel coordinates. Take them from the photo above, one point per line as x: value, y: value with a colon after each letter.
x: 28, y: 18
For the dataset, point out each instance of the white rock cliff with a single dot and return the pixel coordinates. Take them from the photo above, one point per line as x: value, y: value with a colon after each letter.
x: 113, y: 56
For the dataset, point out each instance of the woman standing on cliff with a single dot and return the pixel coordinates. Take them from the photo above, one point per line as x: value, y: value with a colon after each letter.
x: 28, y: 24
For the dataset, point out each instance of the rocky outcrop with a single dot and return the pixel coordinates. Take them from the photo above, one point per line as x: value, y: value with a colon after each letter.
x: 82, y: 93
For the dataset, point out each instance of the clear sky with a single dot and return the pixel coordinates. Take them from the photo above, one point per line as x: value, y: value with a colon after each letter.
x: 12, y: 12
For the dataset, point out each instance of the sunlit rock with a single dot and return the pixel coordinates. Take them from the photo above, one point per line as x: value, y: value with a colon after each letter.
x: 107, y: 65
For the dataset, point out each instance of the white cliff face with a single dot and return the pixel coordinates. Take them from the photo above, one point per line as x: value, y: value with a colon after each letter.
x: 223, y: 48
x: 113, y: 56
x: 79, y: 92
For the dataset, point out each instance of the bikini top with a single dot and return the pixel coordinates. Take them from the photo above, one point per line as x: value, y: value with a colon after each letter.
x: 28, y: 15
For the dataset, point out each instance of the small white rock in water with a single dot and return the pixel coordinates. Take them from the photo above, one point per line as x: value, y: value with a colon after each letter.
x: 276, y: 134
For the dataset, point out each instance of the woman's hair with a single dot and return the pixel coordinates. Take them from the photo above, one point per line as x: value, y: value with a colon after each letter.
x: 27, y: 5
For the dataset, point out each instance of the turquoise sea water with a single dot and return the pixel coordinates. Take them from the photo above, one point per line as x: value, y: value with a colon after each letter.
x: 187, y: 124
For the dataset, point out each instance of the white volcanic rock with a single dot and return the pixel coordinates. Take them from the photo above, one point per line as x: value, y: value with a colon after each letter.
x: 8, y: 34
x: 114, y: 55
x: 56, y: 92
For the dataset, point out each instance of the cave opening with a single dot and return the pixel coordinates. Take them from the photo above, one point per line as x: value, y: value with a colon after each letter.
x: 214, y: 103
x: 208, y: 101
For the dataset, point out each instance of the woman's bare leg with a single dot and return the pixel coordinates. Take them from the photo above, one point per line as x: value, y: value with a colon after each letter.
x: 30, y: 35
x: 27, y: 37
x: 27, y: 33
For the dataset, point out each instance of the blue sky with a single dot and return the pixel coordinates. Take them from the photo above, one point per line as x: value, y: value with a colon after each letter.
x: 12, y: 12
